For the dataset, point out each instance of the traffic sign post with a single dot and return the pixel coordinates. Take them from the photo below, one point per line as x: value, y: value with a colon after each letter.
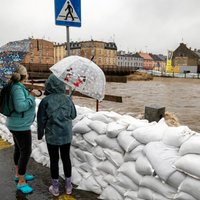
x: 68, y: 13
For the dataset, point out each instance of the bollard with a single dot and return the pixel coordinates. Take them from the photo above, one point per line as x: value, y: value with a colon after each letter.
x: 154, y: 113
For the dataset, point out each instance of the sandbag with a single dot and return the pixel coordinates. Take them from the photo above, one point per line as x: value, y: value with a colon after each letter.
x: 128, y: 169
x: 162, y: 157
x: 189, y: 164
x: 114, y: 128
x: 150, y: 133
x: 90, y: 137
x: 98, y: 126
x: 134, y: 154
x: 127, y: 141
x: 143, y: 166
x: 109, y: 193
x: 157, y: 186
x: 191, y: 146
x: 109, y: 143
x: 176, y: 136
x: 191, y: 186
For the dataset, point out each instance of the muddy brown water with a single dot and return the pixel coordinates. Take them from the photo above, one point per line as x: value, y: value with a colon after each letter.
x: 179, y: 96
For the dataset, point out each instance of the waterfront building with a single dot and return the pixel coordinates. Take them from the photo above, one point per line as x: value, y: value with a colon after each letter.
x: 148, y: 60
x: 129, y: 60
x: 159, y: 62
x: 186, y: 59
x: 104, y: 54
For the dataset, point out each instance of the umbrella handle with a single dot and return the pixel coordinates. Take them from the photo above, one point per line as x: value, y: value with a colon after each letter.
x: 71, y: 91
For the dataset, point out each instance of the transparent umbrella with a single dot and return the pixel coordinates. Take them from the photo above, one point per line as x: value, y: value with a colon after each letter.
x: 82, y: 75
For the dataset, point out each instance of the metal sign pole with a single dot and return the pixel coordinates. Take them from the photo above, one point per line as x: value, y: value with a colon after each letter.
x: 68, y: 41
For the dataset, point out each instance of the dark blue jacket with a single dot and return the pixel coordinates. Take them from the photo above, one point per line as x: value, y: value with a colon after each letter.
x: 55, y: 113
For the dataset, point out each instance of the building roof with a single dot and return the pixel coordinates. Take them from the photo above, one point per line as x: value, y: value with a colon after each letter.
x: 155, y: 57
x: 146, y: 56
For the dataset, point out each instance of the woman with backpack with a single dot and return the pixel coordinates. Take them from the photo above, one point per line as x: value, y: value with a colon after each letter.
x: 22, y: 103
x: 54, y: 119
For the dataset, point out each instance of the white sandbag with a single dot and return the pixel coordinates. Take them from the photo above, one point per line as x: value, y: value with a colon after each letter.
x: 114, y: 128
x: 143, y: 166
x: 176, y: 136
x: 121, y: 190
x: 107, y: 167
x: 134, y: 154
x: 115, y: 157
x: 100, y: 180
x: 125, y: 182
x: 110, y: 143
x: 148, y: 194
x: 91, y: 160
x: 138, y: 123
x: 76, y: 176
x: 80, y: 155
x: 98, y: 126
x: 109, y: 193
x: 157, y: 186
x: 127, y: 141
x: 84, y: 145
x: 189, y: 164
x: 82, y: 126
x: 131, y: 195
x: 86, y: 167
x: 90, y: 137
x: 75, y: 162
x: 191, y: 146
x: 126, y: 120
x: 184, y: 196
x: 110, y: 179
x: 112, y: 115
x: 36, y: 154
x: 75, y: 139
x: 99, y: 116
x: 43, y: 149
x: 99, y: 153
x: 162, y: 158
x: 191, y: 186
x: 90, y: 184
x: 176, y: 179
x: 128, y: 169
x: 150, y: 133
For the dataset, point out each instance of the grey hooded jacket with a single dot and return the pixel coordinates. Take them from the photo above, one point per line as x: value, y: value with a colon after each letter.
x: 55, y: 113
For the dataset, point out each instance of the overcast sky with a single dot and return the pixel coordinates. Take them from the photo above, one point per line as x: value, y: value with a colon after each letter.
x: 135, y: 25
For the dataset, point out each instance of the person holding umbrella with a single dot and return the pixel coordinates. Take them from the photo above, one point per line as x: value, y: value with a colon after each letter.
x: 54, y: 118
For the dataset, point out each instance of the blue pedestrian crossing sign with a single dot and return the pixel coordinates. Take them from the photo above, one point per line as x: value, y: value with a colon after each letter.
x: 68, y: 12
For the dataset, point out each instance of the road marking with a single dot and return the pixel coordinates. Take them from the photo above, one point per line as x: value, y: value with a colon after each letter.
x: 4, y: 144
x: 65, y: 197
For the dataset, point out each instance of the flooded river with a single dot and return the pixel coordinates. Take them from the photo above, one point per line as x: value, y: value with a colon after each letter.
x: 179, y: 96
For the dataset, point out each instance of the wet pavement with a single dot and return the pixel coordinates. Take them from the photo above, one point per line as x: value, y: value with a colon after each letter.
x: 40, y: 184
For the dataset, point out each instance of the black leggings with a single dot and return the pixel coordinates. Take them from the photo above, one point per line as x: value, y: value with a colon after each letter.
x: 23, y: 148
x: 54, y: 159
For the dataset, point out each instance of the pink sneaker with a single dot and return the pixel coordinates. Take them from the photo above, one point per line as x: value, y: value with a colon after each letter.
x: 68, y: 185
x: 54, y: 188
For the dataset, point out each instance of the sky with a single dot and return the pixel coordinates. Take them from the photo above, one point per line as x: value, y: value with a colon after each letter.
x: 153, y: 26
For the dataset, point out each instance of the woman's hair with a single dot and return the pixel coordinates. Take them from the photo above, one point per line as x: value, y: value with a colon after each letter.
x: 20, y: 74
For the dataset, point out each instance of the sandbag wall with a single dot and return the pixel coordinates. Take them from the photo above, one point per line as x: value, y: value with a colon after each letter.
x: 120, y: 157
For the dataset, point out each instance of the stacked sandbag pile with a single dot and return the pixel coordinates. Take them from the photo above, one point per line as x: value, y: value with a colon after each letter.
x: 120, y: 157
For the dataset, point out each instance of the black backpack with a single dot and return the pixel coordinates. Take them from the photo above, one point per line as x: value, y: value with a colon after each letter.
x: 4, y: 100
